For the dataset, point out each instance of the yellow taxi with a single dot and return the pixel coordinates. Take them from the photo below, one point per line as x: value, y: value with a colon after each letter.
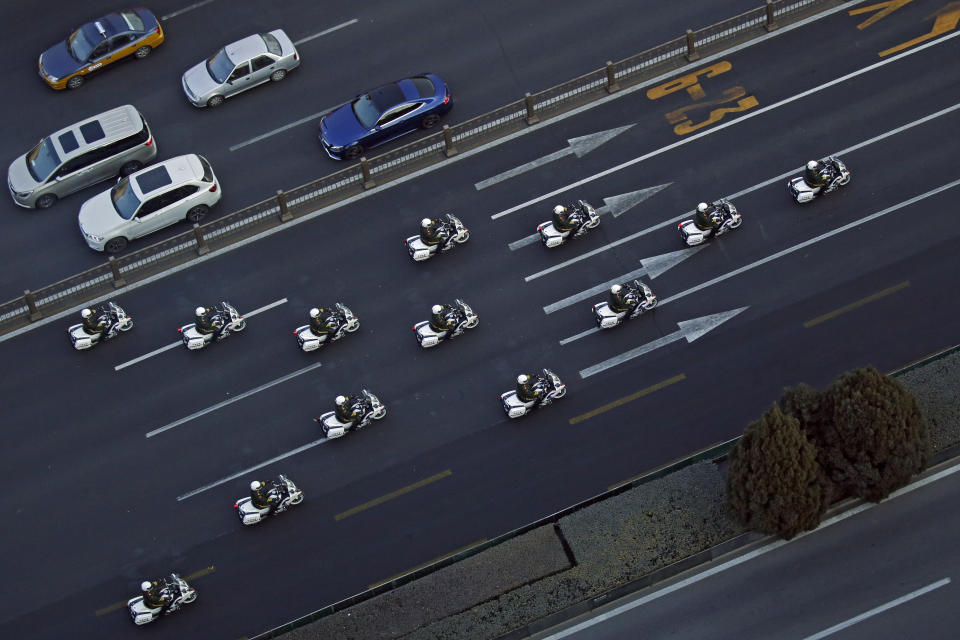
x: 97, y: 44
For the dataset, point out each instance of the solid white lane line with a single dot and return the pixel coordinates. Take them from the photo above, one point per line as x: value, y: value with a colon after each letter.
x: 325, y: 32
x: 755, y: 187
x: 884, y: 607
x: 721, y: 127
x: 195, y: 5
x: 274, y: 132
x: 220, y: 405
x: 720, y: 568
x: 802, y: 245
x: 250, y: 314
x: 787, y: 251
x: 582, y: 334
x: 239, y: 474
x: 173, y: 345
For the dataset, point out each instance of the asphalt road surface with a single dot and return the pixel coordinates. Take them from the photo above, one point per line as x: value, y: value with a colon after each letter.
x: 126, y: 469
x: 888, y: 572
x: 488, y: 52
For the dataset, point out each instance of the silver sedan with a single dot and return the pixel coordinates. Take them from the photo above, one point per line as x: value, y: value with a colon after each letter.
x: 240, y: 66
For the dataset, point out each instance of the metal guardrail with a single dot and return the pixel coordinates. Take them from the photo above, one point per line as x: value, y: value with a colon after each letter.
x: 223, y: 231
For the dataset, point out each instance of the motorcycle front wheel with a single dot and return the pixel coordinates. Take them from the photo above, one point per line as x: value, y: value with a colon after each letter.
x: 379, y: 413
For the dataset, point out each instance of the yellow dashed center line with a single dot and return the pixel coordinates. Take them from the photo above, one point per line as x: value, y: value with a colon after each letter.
x: 857, y: 304
x: 626, y: 399
x: 427, y: 563
x: 392, y: 495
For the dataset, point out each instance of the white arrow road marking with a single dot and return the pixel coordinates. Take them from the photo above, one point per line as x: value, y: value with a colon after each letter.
x: 220, y: 405
x: 732, y: 196
x: 173, y: 345
x: 614, y: 205
x: 652, y: 267
x: 240, y: 474
x: 785, y: 252
x: 689, y: 329
x: 720, y: 127
x: 576, y: 146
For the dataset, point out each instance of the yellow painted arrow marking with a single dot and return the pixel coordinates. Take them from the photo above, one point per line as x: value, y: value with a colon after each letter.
x: 883, y: 9
x: 948, y: 16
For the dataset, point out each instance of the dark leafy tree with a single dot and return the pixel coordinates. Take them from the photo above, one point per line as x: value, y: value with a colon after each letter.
x: 876, y: 437
x: 775, y: 484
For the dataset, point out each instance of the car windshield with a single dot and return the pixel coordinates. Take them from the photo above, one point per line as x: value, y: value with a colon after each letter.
x: 42, y: 160
x: 366, y: 111
x: 82, y: 41
x: 220, y: 66
x: 125, y: 201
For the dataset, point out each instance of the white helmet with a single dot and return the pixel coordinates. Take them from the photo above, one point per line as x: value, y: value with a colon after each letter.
x: 254, y: 485
x: 522, y: 378
x: 426, y: 222
x: 813, y: 164
x: 702, y: 207
x: 86, y: 313
x: 615, y: 288
x: 144, y: 585
x: 314, y: 312
x: 559, y: 209
x: 436, y: 309
x: 199, y: 311
x: 340, y: 400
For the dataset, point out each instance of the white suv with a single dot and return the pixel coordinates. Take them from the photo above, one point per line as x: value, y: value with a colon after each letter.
x: 181, y: 188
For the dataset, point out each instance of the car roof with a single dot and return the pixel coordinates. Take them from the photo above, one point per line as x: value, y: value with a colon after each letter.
x: 387, y: 96
x: 170, y: 173
x: 243, y: 50
x: 114, y: 124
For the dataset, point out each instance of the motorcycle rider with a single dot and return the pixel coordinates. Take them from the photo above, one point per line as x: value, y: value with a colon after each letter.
x: 207, y: 320
x: 154, y: 594
x: 528, y: 388
x: 621, y: 299
x: 324, y: 321
x: 818, y: 174
x: 443, y: 318
x: 432, y: 232
x: 261, y: 495
x: 566, y: 218
x: 708, y: 216
x: 94, y: 322
x: 347, y: 410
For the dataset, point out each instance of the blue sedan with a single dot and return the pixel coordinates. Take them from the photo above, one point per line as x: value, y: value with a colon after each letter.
x: 383, y: 114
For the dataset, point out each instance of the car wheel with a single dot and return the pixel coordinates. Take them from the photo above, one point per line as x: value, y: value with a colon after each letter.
x: 75, y: 82
x: 142, y: 52
x: 278, y: 75
x: 430, y: 121
x: 352, y: 152
x: 197, y: 213
x: 131, y: 167
x: 215, y: 101
x: 45, y: 201
x: 115, y: 245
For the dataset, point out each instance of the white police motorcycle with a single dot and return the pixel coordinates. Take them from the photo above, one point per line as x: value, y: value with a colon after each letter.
x: 548, y: 382
x: 310, y: 341
x: 456, y: 234
x: 368, y: 406
x: 227, y: 320
x: 804, y: 192
x: 585, y: 216
x: 177, y: 591
x: 465, y: 318
x: 119, y: 322
x: 637, y: 291
x: 694, y: 232
x: 285, y: 493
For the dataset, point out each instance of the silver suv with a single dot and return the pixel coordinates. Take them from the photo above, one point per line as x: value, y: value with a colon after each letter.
x: 181, y: 188
x: 116, y: 142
